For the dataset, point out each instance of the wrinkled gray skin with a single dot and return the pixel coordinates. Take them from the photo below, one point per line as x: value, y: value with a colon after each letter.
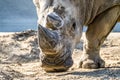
x: 60, y: 24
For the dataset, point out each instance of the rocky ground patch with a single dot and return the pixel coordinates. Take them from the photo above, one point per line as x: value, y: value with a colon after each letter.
x: 19, y: 59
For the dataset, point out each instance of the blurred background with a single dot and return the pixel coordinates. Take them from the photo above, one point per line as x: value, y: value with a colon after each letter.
x: 17, y: 15
x: 20, y: 15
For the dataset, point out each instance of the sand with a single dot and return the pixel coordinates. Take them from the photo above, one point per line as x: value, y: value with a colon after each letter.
x: 19, y: 59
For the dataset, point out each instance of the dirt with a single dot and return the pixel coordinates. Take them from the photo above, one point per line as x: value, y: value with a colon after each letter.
x: 19, y: 59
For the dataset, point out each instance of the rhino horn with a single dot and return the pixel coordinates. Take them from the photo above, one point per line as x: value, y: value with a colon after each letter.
x: 47, y: 38
x: 54, y: 21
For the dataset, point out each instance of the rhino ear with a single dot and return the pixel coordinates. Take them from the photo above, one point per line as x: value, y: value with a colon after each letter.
x: 36, y: 3
x: 43, y: 4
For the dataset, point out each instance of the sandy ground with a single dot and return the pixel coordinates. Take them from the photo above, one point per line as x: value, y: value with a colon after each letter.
x: 19, y: 59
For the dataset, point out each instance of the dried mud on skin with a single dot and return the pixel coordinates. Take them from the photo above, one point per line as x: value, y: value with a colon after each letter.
x: 19, y: 59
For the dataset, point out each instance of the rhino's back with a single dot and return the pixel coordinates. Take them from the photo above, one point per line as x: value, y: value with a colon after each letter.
x: 106, y: 4
x: 96, y: 7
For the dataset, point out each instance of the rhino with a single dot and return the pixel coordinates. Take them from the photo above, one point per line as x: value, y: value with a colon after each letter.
x: 60, y: 25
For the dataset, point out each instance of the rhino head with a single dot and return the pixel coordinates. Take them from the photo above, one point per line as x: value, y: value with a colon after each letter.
x: 59, y: 30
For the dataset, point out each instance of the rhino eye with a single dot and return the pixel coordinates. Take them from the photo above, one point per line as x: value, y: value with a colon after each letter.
x: 74, y: 25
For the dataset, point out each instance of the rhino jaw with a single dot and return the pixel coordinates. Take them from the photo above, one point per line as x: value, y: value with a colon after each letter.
x: 47, y: 39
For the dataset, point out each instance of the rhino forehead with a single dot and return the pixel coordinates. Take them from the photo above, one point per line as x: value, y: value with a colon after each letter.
x: 69, y: 7
x: 48, y: 6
